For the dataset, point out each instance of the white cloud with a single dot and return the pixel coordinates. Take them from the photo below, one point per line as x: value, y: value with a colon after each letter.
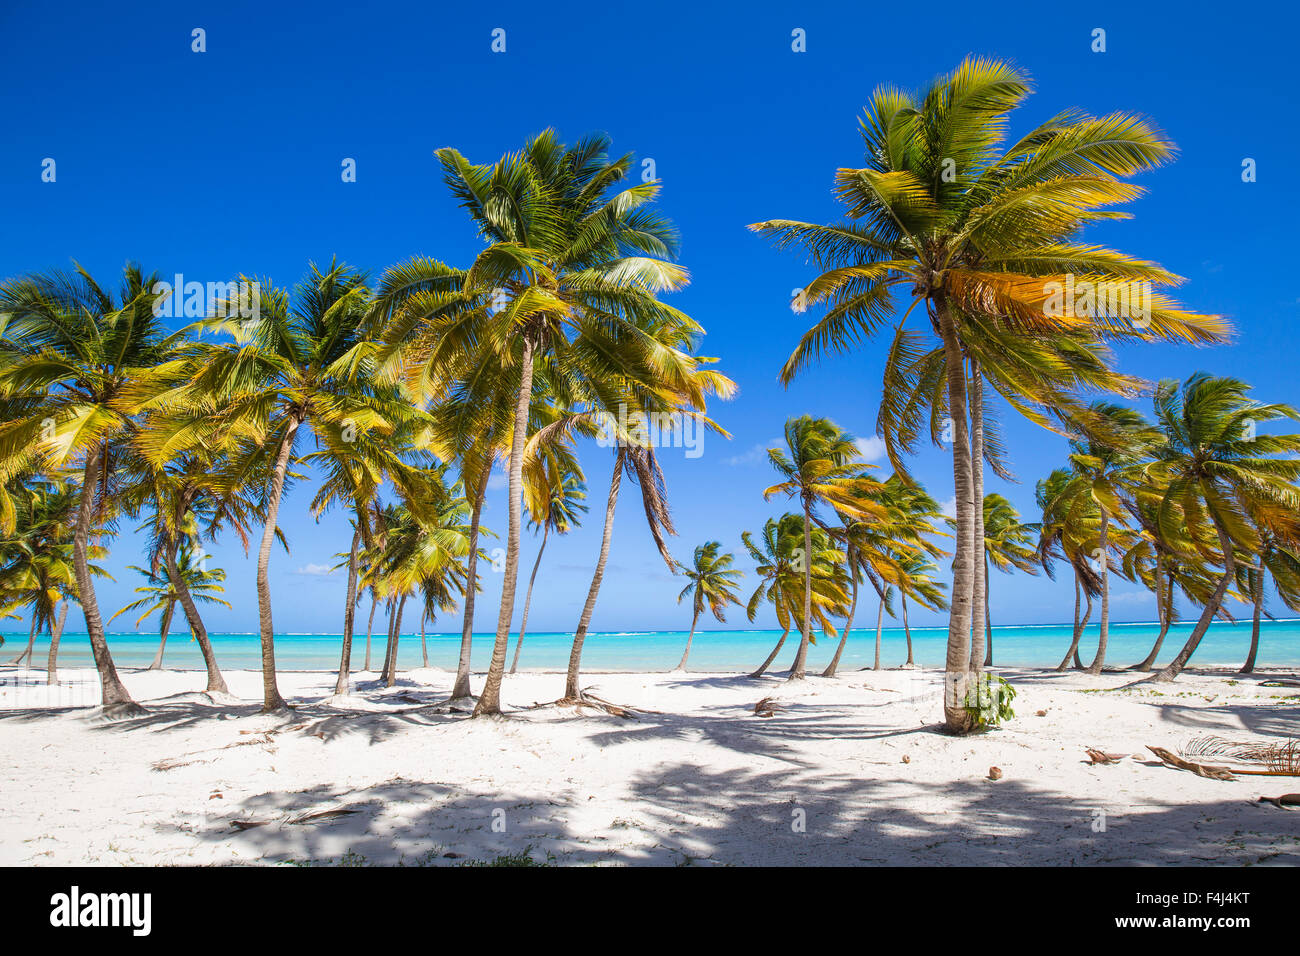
x: 949, y: 507
x: 315, y: 570
x: 756, y: 454
x: 871, y: 448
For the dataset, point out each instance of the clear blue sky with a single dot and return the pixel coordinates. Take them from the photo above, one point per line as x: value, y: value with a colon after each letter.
x: 228, y: 161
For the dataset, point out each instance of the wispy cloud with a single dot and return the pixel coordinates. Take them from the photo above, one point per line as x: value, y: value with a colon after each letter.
x: 315, y: 570
x: 871, y: 448
x: 949, y: 507
x: 756, y: 454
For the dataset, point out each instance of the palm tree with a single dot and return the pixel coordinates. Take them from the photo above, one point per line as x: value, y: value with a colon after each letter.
x: 919, y: 571
x: 712, y: 582
x: 1008, y: 546
x: 77, y: 365
x: 425, y: 544
x: 558, y: 496
x: 1221, y: 478
x: 981, y: 235
x: 1280, y: 558
x: 37, y: 570
x: 882, y: 548
x: 780, y: 557
x: 572, y: 262
x: 303, y: 359
x: 1068, y: 531
x: 821, y: 466
x: 161, y: 593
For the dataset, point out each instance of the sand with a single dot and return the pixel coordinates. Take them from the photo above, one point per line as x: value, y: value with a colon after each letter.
x: 848, y: 770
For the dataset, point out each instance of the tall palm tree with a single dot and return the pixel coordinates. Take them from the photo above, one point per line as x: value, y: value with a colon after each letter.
x: 1008, y: 545
x: 77, y: 365
x: 711, y: 581
x: 780, y: 556
x: 161, y: 592
x: 572, y: 260
x: 820, y: 465
x: 555, y: 502
x: 981, y: 235
x: 302, y: 360
x: 1221, y: 478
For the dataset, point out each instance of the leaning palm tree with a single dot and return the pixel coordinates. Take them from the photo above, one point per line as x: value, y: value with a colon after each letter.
x: 779, y: 556
x: 1107, y: 462
x: 919, y: 572
x: 1008, y: 546
x: 1221, y: 478
x: 711, y: 583
x: 161, y: 593
x: 820, y: 465
x: 882, y: 547
x: 983, y: 236
x: 302, y: 360
x: 1278, y: 558
x: 77, y: 365
x: 1067, y: 531
x: 556, y: 502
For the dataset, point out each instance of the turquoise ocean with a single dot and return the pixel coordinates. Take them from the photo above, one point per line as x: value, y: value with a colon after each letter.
x: 736, y: 651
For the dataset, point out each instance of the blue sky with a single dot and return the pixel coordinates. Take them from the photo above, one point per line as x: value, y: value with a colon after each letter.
x: 228, y: 161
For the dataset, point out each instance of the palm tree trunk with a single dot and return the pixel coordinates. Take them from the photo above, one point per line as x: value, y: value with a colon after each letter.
x: 1104, y: 635
x: 771, y: 657
x: 370, y: 626
x: 116, y: 701
x: 988, y: 617
x: 880, y: 622
x: 957, y: 673
x: 52, y: 664
x: 979, y: 561
x: 164, y: 628
x: 489, y: 702
x: 1175, y: 667
x: 1087, y: 616
x: 571, y: 691
x: 271, y: 699
x: 1164, y: 613
x: 681, y: 666
x: 1257, y: 586
x: 31, y: 642
x: 528, y: 598
x: 461, y: 688
x: 389, y: 676
x: 844, y: 635
x: 797, y: 669
x: 907, y: 631
x: 216, y: 682
x: 1078, y: 627
x: 341, y: 685
x: 424, y: 648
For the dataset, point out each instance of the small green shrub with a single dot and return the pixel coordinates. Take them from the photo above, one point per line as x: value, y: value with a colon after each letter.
x: 992, y: 701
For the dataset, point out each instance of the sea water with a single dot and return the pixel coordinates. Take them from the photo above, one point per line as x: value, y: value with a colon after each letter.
x: 1224, y: 645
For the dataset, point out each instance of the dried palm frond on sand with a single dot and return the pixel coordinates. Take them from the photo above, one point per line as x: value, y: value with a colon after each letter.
x: 1278, y: 758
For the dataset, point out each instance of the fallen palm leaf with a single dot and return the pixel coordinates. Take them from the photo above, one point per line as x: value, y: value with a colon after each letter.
x: 1200, y: 769
x: 318, y: 815
x: 1283, y: 802
x: 1280, y: 759
x: 248, y: 824
x: 1101, y: 757
x: 767, y: 707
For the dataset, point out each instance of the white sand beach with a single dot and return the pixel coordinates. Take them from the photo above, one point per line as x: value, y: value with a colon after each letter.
x: 847, y: 771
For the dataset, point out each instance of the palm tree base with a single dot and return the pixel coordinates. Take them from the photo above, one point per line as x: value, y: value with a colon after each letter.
x: 122, y: 710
